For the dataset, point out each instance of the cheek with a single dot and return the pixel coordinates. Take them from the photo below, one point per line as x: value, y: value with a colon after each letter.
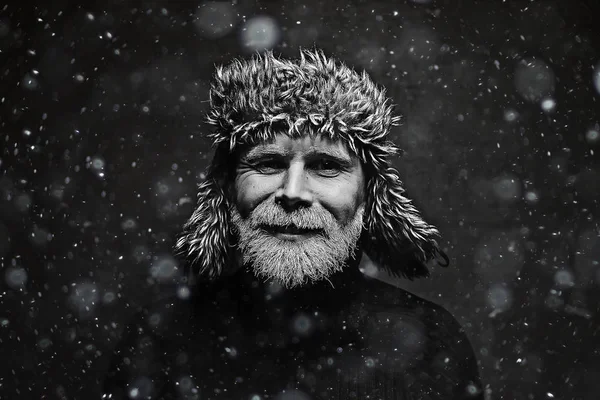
x: 251, y: 190
x: 343, y: 199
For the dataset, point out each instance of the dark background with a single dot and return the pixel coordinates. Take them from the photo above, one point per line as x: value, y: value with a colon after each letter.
x: 101, y: 109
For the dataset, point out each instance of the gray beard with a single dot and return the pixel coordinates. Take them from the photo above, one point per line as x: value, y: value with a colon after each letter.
x: 294, y: 263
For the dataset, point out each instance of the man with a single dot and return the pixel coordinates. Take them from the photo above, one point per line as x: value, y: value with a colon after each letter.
x: 300, y: 191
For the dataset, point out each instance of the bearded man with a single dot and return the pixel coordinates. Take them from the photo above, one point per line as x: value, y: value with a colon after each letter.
x: 300, y: 196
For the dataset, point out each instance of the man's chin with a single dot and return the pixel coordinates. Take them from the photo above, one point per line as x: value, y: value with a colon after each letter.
x: 294, y: 263
x: 294, y: 259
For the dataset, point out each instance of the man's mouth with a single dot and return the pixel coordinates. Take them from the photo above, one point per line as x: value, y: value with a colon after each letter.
x: 291, y: 230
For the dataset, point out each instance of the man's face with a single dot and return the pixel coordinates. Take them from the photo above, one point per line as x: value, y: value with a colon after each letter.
x: 297, y: 208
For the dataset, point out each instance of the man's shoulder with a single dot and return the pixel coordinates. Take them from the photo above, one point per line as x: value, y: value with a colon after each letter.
x: 429, y: 327
x: 419, y: 334
x: 397, y: 300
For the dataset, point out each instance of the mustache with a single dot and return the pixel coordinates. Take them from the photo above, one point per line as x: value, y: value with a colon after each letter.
x: 271, y: 214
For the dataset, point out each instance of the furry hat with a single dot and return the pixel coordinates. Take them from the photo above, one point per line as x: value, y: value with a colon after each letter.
x: 252, y: 100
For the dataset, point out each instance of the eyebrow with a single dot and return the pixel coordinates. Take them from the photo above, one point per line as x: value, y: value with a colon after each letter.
x: 271, y: 150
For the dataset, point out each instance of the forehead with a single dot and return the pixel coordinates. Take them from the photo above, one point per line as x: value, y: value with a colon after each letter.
x: 288, y: 145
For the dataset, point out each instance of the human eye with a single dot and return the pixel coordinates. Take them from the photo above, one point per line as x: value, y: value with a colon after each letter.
x: 327, y: 167
x: 269, y: 165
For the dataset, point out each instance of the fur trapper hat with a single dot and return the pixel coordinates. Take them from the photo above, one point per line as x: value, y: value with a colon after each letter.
x: 252, y: 100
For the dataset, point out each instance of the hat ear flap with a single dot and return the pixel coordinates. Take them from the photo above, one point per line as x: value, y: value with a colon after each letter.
x: 206, y: 235
x: 396, y: 236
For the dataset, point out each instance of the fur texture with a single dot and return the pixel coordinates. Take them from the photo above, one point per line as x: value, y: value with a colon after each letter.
x: 253, y: 100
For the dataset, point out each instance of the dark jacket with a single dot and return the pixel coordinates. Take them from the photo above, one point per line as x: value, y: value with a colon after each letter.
x: 352, y: 337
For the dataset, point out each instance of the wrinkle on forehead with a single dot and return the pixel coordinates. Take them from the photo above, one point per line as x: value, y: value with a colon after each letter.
x: 285, y: 144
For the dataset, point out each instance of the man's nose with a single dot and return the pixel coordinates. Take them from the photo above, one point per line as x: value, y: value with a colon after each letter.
x: 294, y: 191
